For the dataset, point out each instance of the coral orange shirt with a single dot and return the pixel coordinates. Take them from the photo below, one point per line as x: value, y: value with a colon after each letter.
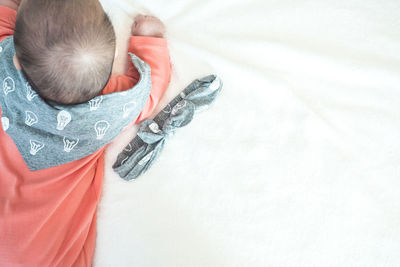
x: 48, y: 217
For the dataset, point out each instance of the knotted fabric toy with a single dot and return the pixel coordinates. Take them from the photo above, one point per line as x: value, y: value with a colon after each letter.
x: 141, y: 152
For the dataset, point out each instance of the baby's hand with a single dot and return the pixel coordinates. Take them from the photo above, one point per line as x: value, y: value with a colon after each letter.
x: 148, y: 26
x: 13, y: 4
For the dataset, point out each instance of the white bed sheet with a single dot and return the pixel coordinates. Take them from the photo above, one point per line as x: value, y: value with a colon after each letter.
x: 296, y: 164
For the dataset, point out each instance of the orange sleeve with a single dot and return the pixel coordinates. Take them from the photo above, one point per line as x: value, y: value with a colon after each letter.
x: 7, y: 22
x: 154, y: 51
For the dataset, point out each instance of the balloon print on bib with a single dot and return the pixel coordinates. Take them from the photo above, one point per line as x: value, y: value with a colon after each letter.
x: 8, y: 85
x: 30, y: 94
x: 5, y: 122
x: 94, y: 104
x: 70, y: 143
x: 101, y: 128
x: 36, y: 146
x: 63, y: 118
x: 30, y: 118
x: 128, y: 108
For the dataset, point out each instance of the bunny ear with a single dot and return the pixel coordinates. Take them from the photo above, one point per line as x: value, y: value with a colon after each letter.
x: 142, y: 151
x: 206, y: 93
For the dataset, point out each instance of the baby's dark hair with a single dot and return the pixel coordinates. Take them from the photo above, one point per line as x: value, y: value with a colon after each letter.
x: 66, y: 48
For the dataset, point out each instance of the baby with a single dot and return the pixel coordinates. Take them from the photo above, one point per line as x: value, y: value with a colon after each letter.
x: 60, y: 106
x: 68, y: 57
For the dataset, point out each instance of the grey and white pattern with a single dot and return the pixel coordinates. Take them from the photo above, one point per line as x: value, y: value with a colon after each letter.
x: 128, y: 148
x: 8, y: 85
x: 63, y: 118
x: 48, y: 134
x: 128, y: 108
x: 154, y: 127
x: 142, y: 151
x: 145, y: 159
x: 101, y: 128
x: 70, y: 143
x: 35, y: 147
x: 216, y: 84
x: 30, y: 118
x: 95, y: 103
x: 30, y: 94
x: 5, y: 122
x: 124, y: 160
x: 178, y: 107
x: 167, y: 109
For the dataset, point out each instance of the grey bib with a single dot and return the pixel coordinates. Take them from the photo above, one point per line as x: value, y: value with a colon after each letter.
x: 48, y: 134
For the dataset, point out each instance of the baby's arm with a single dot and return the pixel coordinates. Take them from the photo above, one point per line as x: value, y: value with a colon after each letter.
x: 151, y: 47
x: 13, y: 4
x: 8, y: 15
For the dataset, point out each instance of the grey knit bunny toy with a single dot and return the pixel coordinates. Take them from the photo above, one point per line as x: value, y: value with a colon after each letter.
x: 139, y: 155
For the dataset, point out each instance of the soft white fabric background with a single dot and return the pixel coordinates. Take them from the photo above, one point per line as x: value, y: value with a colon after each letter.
x: 297, y: 163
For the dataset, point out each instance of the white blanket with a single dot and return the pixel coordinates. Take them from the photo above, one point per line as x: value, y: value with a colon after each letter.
x: 296, y: 164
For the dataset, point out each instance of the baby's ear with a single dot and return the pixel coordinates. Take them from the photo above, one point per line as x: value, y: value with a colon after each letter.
x: 16, y: 62
x: 116, y: 52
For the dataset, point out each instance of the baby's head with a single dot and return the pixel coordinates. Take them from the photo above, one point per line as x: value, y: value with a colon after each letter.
x: 66, y: 48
